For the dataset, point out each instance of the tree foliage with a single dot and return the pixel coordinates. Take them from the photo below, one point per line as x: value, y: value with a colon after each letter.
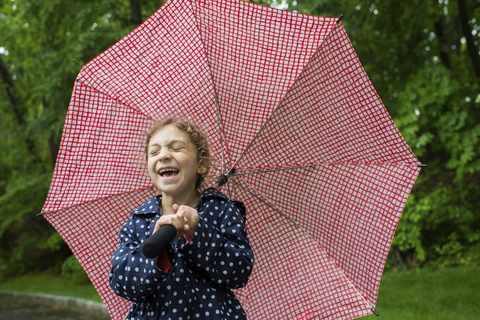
x: 39, y: 41
x: 422, y: 57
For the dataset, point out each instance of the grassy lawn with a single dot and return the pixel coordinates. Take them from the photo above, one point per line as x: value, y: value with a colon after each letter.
x: 440, y: 295
x: 51, y: 282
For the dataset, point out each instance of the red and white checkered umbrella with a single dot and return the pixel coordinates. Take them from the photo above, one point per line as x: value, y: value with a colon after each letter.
x: 321, y: 167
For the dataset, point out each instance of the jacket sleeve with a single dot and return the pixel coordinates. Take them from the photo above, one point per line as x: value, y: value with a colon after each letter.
x: 133, y: 276
x: 220, y: 246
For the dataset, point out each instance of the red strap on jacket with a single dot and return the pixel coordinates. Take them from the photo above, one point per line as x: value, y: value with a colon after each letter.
x: 163, y: 262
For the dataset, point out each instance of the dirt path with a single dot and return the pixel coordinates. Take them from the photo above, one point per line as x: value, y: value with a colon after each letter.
x: 25, y: 307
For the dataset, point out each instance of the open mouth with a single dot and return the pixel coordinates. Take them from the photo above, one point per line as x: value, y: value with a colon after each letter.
x: 168, y: 172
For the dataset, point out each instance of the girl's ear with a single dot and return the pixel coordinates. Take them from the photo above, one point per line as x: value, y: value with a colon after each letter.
x: 201, y: 167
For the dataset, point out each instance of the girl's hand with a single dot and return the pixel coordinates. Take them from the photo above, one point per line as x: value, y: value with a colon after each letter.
x: 172, y: 219
x: 191, y: 219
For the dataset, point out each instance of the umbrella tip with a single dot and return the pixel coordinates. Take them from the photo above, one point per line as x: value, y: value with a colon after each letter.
x: 340, y: 19
x: 75, y: 60
x: 375, y: 312
x: 422, y: 165
x: 223, y: 178
x: 221, y: 181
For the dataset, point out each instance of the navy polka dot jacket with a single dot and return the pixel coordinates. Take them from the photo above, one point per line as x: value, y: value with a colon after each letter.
x: 203, y: 271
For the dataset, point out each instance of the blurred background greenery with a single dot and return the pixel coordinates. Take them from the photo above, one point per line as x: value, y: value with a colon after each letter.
x: 422, y: 57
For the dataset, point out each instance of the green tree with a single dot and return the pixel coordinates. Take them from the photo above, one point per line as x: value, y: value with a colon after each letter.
x: 423, y: 59
x: 39, y: 41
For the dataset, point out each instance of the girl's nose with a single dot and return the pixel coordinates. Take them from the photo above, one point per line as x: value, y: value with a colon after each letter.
x: 164, y: 155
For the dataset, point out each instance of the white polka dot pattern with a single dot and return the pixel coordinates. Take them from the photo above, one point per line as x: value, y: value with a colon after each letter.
x: 218, y: 259
x: 327, y: 154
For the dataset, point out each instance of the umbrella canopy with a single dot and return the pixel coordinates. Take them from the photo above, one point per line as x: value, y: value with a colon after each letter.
x: 283, y: 99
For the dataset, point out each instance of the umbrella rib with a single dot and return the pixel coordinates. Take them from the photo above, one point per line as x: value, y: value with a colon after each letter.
x: 265, y: 202
x: 228, y: 189
x: 217, y: 107
x: 214, y: 167
x: 219, y: 121
x: 355, y: 288
x: 255, y: 171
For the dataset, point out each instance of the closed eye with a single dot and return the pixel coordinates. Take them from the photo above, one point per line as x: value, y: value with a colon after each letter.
x: 153, y: 152
x: 177, y: 147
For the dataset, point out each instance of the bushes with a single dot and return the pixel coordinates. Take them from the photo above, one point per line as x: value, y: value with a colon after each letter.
x: 441, y: 222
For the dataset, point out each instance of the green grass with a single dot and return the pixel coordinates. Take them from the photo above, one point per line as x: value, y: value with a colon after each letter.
x: 446, y: 294
x: 51, y: 282
x: 441, y: 295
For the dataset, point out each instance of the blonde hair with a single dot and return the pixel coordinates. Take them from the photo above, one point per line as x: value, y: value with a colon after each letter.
x: 197, y: 137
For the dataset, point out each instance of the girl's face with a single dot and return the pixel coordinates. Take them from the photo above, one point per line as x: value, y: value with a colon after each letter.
x: 172, y: 162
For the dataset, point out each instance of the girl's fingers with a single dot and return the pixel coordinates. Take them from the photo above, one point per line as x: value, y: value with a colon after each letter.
x: 162, y: 222
x: 180, y: 220
x: 165, y: 220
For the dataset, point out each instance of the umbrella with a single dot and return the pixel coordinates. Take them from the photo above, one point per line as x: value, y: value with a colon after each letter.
x: 292, y: 120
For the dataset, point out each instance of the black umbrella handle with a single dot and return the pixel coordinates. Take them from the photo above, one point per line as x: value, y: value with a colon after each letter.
x: 159, y: 241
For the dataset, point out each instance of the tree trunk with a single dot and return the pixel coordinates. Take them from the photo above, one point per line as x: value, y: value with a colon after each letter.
x: 443, y: 42
x: 5, y: 74
x: 467, y: 32
x: 136, y: 14
x: 53, y: 146
x: 456, y: 35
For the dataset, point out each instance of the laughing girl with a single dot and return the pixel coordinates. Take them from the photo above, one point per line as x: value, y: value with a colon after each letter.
x: 210, y: 255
